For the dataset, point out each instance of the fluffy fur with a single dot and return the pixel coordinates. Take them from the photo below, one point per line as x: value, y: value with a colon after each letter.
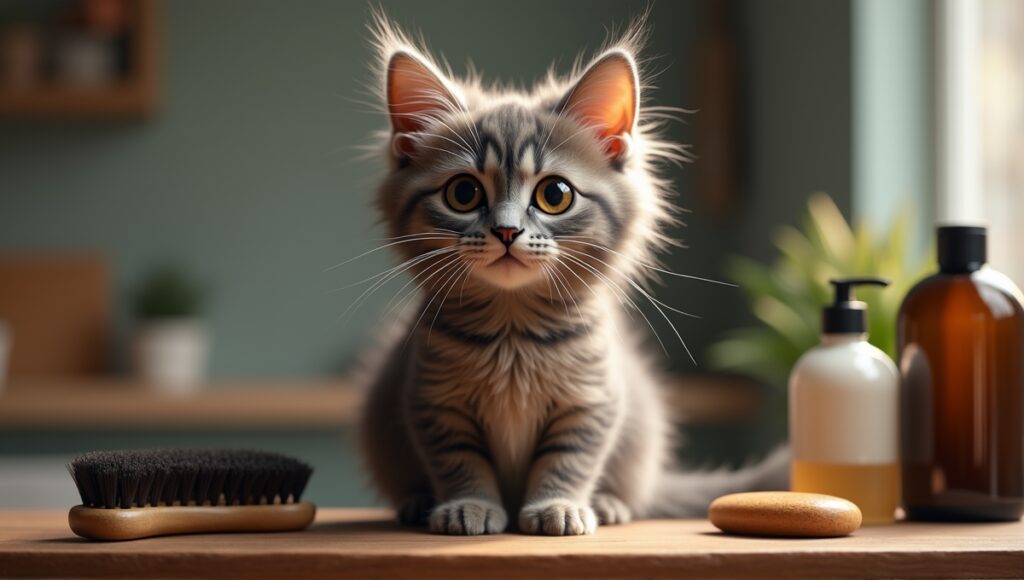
x: 516, y: 392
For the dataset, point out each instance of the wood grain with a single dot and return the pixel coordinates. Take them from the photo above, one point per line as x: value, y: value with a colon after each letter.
x: 365, y: 543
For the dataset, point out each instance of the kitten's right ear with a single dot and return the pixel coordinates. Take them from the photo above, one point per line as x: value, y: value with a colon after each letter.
x: 417, y: 93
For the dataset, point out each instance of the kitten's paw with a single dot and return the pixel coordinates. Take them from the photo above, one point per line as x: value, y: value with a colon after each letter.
x: 415, y: 510
x: 557, y: 517
x: 610, y: 509
x: 468, y: 517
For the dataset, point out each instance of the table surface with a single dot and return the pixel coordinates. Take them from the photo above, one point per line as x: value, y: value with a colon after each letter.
x: 365, y: 543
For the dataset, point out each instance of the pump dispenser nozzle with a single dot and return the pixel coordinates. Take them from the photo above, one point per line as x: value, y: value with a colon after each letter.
x: 846, y: 315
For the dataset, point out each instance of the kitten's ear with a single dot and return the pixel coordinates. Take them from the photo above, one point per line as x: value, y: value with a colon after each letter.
x: 417, y: 92
x: 607, y: 98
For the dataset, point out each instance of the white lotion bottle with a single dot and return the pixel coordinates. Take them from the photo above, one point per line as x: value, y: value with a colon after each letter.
x: 844, y: 412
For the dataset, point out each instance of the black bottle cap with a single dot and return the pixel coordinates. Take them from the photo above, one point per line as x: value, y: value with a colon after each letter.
x: 848, y: 315
x: 961, y: 249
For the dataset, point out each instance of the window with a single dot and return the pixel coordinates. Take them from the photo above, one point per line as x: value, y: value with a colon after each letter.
x: 981, y: 108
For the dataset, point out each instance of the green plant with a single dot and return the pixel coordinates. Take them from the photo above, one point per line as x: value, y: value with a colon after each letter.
x: 787, y: 296
x: 168, y: 292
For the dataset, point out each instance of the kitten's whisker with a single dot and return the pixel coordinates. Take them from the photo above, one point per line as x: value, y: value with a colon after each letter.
x: 654, y: 302
x: 427, y: 307
x: 569, y: 292
x: 632, y: 283
x: 550, y: 272
x: 434, y: 270
x: 617, y: 291
x: 389, y: 275
x: 392, y: 269
x: 615, y: 326
x: 647, y: 320
x: 385, y: 246
x: 462, y: 289
x: 460, y: 273
x: 578, y: 240
x: 417, y: 281
x: 547, y: 279
x: 436, y: 231
x: 362, y: 298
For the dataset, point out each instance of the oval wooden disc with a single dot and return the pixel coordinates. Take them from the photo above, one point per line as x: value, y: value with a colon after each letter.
x: 785, y: 514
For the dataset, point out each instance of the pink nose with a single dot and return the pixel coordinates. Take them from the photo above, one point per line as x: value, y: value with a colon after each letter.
x: 506, y: 235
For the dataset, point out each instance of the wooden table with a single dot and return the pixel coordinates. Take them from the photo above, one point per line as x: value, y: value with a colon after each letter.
x: 365, y: 543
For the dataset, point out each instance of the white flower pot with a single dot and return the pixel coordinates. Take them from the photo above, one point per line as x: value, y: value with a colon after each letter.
x: 171, y: 355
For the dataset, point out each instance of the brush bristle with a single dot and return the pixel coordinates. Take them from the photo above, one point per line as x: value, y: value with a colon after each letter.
x: 155, y: 477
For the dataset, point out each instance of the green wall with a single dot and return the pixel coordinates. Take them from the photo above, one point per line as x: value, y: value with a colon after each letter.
x: 247, y: 174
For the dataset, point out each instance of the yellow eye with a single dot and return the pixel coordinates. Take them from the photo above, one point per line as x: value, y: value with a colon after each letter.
x: 464, y: 193
x: 553, y: 195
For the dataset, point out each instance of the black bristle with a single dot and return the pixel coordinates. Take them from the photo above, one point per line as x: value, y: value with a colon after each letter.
x: 170, y: 493
x: 136, y: 478
x: 156, y: 492
x: 202, y: 486
x: 186, y: 491
x: 217, y: 484
x: 232, y: 483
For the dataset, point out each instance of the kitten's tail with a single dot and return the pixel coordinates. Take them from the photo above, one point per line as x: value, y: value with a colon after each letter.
x: 688, y: 494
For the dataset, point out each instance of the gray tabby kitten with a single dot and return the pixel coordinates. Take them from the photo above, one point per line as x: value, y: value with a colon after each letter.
x: 517, y: 390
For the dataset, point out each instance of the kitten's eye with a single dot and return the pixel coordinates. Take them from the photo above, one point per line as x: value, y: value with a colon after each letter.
x: 553, y: 195
x: 464, y: 193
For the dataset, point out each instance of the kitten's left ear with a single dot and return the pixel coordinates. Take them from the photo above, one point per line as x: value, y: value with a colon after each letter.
x: 607, y: 98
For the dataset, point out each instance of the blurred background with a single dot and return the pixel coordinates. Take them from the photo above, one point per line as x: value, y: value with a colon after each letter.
x: 178, y: 178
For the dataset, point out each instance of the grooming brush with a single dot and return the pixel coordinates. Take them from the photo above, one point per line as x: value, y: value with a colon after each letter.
x: 128, y: 495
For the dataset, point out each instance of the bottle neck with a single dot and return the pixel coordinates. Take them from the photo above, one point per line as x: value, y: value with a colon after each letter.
x: 961, y: 268
x: 843, y: 338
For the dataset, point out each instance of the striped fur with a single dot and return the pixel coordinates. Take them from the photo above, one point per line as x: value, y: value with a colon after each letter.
x: 515, y: 393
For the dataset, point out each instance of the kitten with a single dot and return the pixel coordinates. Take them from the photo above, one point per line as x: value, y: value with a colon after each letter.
x: 517, y: 392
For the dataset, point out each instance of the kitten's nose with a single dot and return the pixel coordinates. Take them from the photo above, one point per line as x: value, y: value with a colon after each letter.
x: 507, y: 235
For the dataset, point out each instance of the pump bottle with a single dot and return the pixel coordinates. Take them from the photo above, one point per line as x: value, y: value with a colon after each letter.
x: 844, y: 412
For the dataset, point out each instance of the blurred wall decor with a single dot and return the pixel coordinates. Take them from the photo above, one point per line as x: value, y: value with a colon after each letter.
x: 78, y: 58
x: 56, y: 309
x: 719, y: 119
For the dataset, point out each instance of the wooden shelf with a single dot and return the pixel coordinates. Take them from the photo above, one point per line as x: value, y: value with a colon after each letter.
x: 129, y: 100
x: 365, y: 543
x: 135, y: 96
x: 112, y: 404
x: 126, y: 405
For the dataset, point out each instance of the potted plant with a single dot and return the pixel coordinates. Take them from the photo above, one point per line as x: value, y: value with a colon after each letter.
x: 787, y: 296
x: 171, y: 345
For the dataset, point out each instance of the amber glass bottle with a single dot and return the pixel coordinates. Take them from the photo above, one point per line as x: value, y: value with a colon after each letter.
x: 961, y: 357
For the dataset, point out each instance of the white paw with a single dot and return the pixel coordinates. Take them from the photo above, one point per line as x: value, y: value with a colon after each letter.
x: 610, y: 509
x: 557, y: 517
x: 468, y: 517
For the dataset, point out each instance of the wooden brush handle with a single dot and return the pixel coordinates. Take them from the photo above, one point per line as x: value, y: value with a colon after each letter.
x: 135, y: 523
